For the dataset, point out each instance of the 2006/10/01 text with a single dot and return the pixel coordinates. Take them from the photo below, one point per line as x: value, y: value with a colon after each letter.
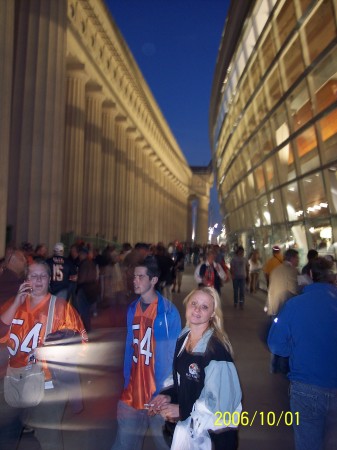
x: 245, y: 419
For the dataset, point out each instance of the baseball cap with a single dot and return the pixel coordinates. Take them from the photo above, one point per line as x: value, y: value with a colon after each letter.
x: 276, y: 248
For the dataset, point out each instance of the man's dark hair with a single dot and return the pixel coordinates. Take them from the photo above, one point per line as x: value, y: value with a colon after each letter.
x: 290, y: 253
x: 312, y: 254
x: 142, y: 245
x: 150, y: 263
x: 321, y: 270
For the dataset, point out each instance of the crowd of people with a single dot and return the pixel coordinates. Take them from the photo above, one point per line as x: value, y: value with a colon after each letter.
x: 175, y: 378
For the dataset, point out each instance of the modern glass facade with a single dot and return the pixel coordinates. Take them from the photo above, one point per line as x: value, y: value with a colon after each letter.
x: 273, y: 124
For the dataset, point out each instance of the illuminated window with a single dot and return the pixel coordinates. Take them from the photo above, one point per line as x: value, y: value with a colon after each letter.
x: 292, y: 201
x: 285, y: 21
x: 293, y: 64
x: 325, y: 81
x: 307, y: 150
x: 267, y: 51
x: 300, y: 106
x: 321, y: 29
x: 315, y: 201
x: 274, y: 87
x: 285, y: 164
x: 328, y: 129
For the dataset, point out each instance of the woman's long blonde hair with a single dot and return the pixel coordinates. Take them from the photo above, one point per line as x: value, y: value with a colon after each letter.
x: 216, y: 322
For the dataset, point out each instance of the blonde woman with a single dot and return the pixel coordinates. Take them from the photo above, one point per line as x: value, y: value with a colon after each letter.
x: 205, y: 380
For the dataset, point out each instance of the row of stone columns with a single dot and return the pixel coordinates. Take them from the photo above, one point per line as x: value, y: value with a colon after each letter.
x: 114, y: 185
x: 71, y: 161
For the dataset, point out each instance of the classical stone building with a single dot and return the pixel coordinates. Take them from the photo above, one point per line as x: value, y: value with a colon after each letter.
x: 85, y: 148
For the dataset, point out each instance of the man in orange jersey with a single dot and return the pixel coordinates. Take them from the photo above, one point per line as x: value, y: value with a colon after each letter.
x: 153, y: 326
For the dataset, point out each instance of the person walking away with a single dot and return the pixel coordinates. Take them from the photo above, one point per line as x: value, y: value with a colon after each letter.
x: 87, y: 287
x: 305, y: 331
x: 240, y: 271
x: 178, y: 268
x: 255, y: 267
x: 272, y: 263
x: 153, y: 326
x: 63, y: 273
x: 283, y: 285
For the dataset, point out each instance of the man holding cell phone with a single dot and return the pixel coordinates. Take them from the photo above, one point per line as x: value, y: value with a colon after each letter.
x: 153, y: 326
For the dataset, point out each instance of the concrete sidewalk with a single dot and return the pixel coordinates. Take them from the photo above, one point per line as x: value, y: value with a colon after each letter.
x: 264, y: 395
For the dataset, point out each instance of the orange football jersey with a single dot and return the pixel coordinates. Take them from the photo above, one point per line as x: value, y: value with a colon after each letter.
x: 142, y: 384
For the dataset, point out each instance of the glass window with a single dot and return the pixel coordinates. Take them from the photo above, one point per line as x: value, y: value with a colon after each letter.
x: 307, y: 150
x: 251, y: 118
x: 261, y: 105
x: 261, y: 16
x: 304, y: 5
x: 293, y: 64
x: 264, y: 208
x: 274, y: 87
x: 254, y: 150
x: 300, y: 106
x: 255, y: 73
x: 270, y: 173
x: 251, y: 184
x: 285, y: 164
x: 280, y: 125
x: 292, y: 201
x: 325, y: 81
x: 249, y: 41
x: 276, y: 207
x: 328, y: 129
x: 245, y: 90
x: 259, y: 180
x: 267, y: 51
x: 331, y: 175
x: 320, y: 29
x: 315, y: 200
x: 266, y: 139
x: 285, y: 21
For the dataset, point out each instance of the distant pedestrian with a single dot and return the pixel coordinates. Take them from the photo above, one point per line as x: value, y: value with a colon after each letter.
x: 240, y: 276
x: 255, y: 267
x: 311, y: 256
x: 63, y: 273
x: 272, y: 262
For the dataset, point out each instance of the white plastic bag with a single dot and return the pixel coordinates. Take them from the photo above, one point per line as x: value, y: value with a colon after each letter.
x: 192, y: 434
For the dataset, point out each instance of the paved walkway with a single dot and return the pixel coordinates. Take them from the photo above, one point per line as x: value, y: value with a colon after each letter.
x: 264, y: 395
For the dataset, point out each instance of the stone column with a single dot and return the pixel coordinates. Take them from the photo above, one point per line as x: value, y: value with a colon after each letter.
x: 120, y: 185
x: 108, y: 170
x: 6, y: 67
x: 37, y: 136
x: 130, y: 221
x: 73, y: 167
x: 91, y: 207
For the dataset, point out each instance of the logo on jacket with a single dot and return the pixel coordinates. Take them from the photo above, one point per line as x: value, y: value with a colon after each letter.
x: 194, y: 372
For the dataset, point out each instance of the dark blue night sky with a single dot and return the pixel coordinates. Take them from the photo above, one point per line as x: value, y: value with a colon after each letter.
x: 175, y: 44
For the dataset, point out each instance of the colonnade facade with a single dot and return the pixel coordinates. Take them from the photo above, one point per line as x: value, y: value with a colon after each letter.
x: 87, y: 151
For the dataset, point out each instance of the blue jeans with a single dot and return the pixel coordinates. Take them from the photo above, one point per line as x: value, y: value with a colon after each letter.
x: 132, y: 427
x: 239, y: 285
x: 317, y: 416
